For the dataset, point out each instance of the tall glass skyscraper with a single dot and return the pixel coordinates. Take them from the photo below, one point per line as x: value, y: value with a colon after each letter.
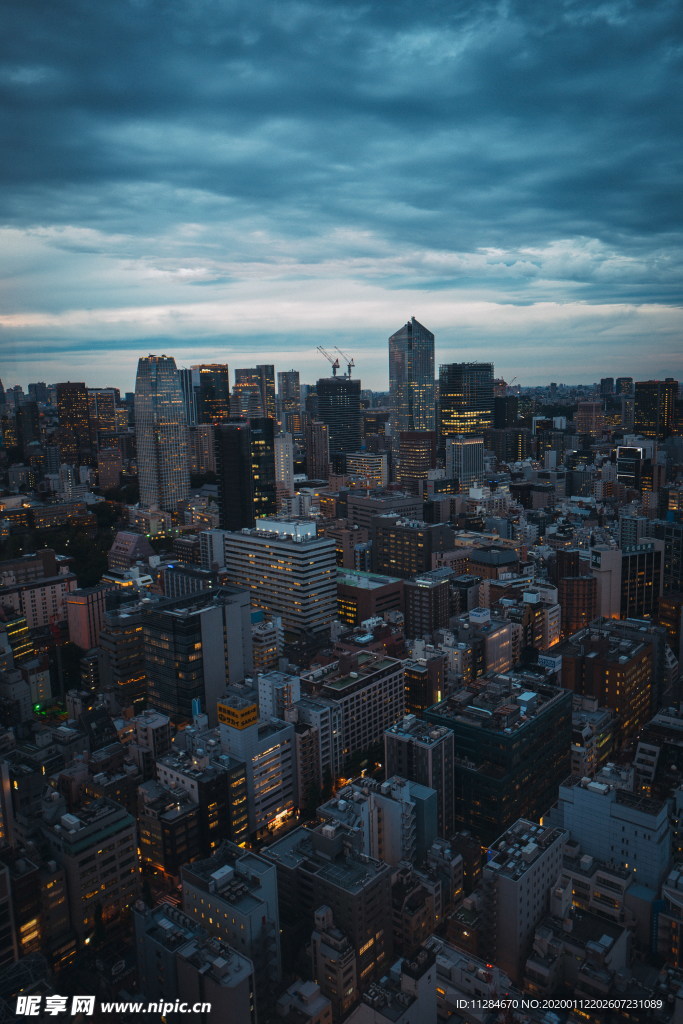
x: 161, y: 431
x: 411, y: 378
x: 465, y: 399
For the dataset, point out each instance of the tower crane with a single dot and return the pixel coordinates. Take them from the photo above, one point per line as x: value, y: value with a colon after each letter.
x: 330, y: 359
x: 347, y: 359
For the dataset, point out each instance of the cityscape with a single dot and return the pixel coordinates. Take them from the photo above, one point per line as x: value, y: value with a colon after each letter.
x: 341, y: 512
x: 324, y: 704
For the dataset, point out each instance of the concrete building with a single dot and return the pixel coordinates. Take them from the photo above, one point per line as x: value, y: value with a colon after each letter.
x: 465, y: 461
x: 234, y: 896
x: 85, y: 608
x: 320, y: 867
x: 522, y: 866
x: 97, y: 848
x: 424, y: 753
x: 333, y: 962
x: 394, y: 820
x: 288, y: 572
x: 369, y: 691
x: 616, y: 827
x: 364, y: 595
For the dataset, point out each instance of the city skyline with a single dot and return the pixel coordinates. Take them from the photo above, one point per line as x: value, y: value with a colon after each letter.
x: 211, y: 186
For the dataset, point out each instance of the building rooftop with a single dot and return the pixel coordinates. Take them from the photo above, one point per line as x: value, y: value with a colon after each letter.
x: 519, y: 847
x: 498, y: 703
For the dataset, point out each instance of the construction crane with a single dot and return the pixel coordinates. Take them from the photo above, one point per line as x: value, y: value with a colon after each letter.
x: 330, y: 359
x: 347, y: 359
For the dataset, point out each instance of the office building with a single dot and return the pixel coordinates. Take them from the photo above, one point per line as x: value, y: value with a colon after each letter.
x: 74, y: 422
x: 102, y: 416
x: 333, y: 962
x: 416, y: 457
x: 194, y: 646
x: 178, y: 962
x: 578, y: 600
x: 122, y: 643
x: 465, y: 461
x: 234, y: 472
x: 522, y: 866
x: 109, y: 468
x: 339, y: 409
x: 630, y: 580
x: 233, y: 896
x: 617, y: 671
x: 363, y: 506
x: 424, y: 753
x: 266, y: 747
x: 85, y: 610
x: 512, y: 748
x: 406, y: 547
x: 316, y: 438
x: 671, y: 533
x: 289, y: 393
x: 217, y: 784
x: 262, y: 448
x: 364, y: 595
x: 465, y: 399
x: 617, y: 827
x: 370, y: 691
x: 97, y: 849
x: 288, y: 570
x: 202, y: 448
x: 372, y: 467
x: 320, y: 867
x: 284, y: 460
x: 254, y: 392
x: 161, y: 431
x: 213, y: 392
x: 411, y: 379
x: 189, y: 389
x: 427, y: 602
x: 655, y: 407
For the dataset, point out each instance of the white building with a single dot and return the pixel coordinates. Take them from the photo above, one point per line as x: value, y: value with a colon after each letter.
x: 465, y: 461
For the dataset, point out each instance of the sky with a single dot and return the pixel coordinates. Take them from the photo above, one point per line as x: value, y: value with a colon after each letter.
x: 231, y: 182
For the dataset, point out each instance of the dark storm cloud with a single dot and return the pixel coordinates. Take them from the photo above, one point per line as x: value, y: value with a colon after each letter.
x: 513, y: 151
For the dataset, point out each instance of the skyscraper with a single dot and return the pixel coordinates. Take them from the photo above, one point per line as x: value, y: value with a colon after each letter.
x: 214, y: 392
x: 339, y: 408
x: 289, y: 392
x: 74, y: 423
x: 189, y: 391
x: 465, y: 399
x: 411, y: 378
x: 254, y: 391
x: 655, y: 406
x: 161, y: 429
x: 465, y: 461
x: 233, y: 468
x: 262, y: 448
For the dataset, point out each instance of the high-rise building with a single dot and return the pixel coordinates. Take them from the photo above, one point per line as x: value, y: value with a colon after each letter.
x: 74, y: 422
x: 317, y: 446
x: 289, y: 393
x: 284, y: 460
x: 213, y: 396
x: 161, y: 429
x: 623, y: 386
x: 289, y: 571
x: 655, y: 407
x: 102, y: 414
x: 411, y: 378
x: 465, y: 461
x: 424, y: 753
x: 416, y: 457
x: 233, y: 469
x: 371, y: 467
x: 254, y: 391
x: 189, y: 390
x: 465, y: 399
x: 339, y: 408
x: 195, y: 645
x: 262, y: 449
x: 512, y: 749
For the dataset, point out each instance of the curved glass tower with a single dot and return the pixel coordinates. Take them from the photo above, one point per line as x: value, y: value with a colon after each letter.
x: 161, y: 431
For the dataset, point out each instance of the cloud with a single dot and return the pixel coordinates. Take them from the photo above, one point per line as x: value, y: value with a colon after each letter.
x: 195, y: 171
